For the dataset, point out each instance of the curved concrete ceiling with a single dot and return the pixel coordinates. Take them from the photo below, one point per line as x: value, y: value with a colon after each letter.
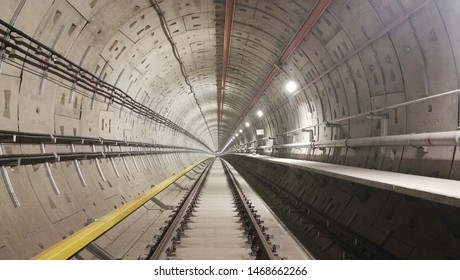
x: 359, y: 56
x: 343, y: 66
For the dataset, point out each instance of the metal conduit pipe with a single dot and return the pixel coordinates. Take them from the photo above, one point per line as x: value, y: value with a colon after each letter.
x: 17, y: 45
x: 264, y: 147
x: 446, y: 138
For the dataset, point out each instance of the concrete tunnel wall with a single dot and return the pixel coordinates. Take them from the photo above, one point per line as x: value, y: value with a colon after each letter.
x: 94, y: 42
x: 123, y: 43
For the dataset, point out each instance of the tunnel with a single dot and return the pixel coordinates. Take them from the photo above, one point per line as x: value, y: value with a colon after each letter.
x: 334, y: 124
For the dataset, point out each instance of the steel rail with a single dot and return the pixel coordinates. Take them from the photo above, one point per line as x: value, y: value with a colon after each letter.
x: 68, y: 247
x: 265, y: 249
x: 171, y: 234
x: 341, y: 234
x: 165, y: 245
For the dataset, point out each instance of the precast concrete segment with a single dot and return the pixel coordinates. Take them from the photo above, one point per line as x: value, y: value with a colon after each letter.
x: 214, y: 230
x: 317, y: 11
x: 55, y: 64
x: 229, y: 8
x: 74, y: 243
x: 433, y: 189
x: 133, y: 242
x: 342, y: 61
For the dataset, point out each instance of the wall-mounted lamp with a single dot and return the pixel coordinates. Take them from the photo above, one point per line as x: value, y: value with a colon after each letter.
x: 291, y: 86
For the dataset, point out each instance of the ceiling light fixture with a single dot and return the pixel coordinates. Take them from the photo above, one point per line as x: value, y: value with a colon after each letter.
x: 260, y: 113
x: 247, y: 124
x: 241, y: 131
x: 291, y: 86
x: 236, y: 135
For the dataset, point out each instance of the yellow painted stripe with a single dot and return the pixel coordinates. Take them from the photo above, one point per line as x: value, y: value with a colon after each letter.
x: 77, y: 241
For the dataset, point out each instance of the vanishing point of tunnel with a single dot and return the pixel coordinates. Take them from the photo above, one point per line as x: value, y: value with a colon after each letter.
x: 229, y: 129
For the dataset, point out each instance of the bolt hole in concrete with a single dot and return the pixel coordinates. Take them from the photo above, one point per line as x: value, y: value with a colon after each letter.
x: 430, y: 108
x: 37, y: 110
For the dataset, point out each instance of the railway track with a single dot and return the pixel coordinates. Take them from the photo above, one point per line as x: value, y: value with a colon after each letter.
x: 222, y: 218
